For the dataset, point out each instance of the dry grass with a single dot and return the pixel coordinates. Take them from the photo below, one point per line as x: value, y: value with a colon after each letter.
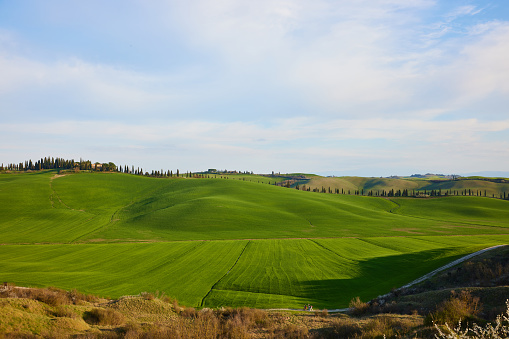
x: 357, y: 307
x: 63, y: 312
x: 459, y: 307
x: 375, y: 327
x: 158, y: 316
x: 104, y: 316
x: 52, y: 296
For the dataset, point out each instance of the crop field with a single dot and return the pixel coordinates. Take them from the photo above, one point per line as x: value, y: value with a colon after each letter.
x: 214, y: 242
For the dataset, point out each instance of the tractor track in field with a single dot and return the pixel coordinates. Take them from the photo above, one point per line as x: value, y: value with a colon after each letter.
x: 415, y: 282
x: 224, y: 275
x: 328, y: 249
x: 54, y: 194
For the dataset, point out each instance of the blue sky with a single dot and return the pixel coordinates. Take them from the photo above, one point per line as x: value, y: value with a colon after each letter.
x: 372, y: 88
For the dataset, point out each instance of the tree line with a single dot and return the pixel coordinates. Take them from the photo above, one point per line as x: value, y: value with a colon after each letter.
x: 399, y: 193
x: 48, y: 163
x: 43, y: 163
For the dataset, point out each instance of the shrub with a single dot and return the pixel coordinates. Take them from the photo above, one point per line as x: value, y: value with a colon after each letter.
x: 176, y: 306
x: 207, y: 325
x: 346, y: 328
x: 498, y: 330
x: 248, y: 316
x: 357, y: 307
x: 189, y: 312
x: 388, y: 326
x: 291, y: 331
x: 457, y: 308
x: 61, y: 312
x: 132, y: 331
x: 235, y: 328
x: 75, y: 297
x: 323, y: 313
x: 147, y: 296
x: 51, y: 296
x: 101, y: 316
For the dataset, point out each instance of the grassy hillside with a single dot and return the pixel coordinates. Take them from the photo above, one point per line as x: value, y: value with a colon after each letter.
x: 474, y: 291
x: 127, y: 207
x: 217, y: 241
x: 258, y: 273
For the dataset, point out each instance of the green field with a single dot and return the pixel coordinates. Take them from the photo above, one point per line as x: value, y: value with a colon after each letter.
x: 216, y: 242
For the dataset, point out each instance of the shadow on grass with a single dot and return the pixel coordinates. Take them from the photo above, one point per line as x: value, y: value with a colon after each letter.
x: 374, y: 277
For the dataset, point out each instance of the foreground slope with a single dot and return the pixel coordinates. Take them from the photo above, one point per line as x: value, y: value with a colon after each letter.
x: 214, y: 242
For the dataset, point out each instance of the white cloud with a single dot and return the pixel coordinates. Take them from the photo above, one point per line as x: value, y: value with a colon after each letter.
x: 244, y: 133
x: 103, y: 87
x: 485, y: 67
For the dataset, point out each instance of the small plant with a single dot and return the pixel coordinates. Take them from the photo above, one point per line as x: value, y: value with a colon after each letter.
x: 323, y: 313
x: 499, y: 330
x: 147, y: 295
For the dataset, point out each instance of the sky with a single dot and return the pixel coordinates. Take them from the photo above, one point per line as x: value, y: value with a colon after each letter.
x: 364, y: 87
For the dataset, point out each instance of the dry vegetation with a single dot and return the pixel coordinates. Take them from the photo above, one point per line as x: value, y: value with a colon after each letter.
x: 54, y: 313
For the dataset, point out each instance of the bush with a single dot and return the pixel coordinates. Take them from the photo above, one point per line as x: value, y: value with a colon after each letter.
x: 291, y: 331
x: 357, y: 307
x: 235, y: 328
x: 386, y: 326
x: 346, y: 328
x: 248, y: 316
x: 323, y: 313
x: 176, y: 306
x: 147, y: 296
x: 51, y: 296
x: 189, y: 312
x: 61, y: 312
x: 457, y: 308
x: 75, y: 297
x: 498, y: 330
x: 101, y: 316
x: 132, y: 331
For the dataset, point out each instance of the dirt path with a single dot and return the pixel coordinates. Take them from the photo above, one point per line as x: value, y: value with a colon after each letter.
x: 416, y: 281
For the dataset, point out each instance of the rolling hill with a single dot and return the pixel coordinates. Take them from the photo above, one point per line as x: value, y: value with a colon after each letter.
x: 229, y: 241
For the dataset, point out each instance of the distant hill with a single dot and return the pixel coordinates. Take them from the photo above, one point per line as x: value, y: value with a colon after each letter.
x: 482, y: 186
x: 490, y: 174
